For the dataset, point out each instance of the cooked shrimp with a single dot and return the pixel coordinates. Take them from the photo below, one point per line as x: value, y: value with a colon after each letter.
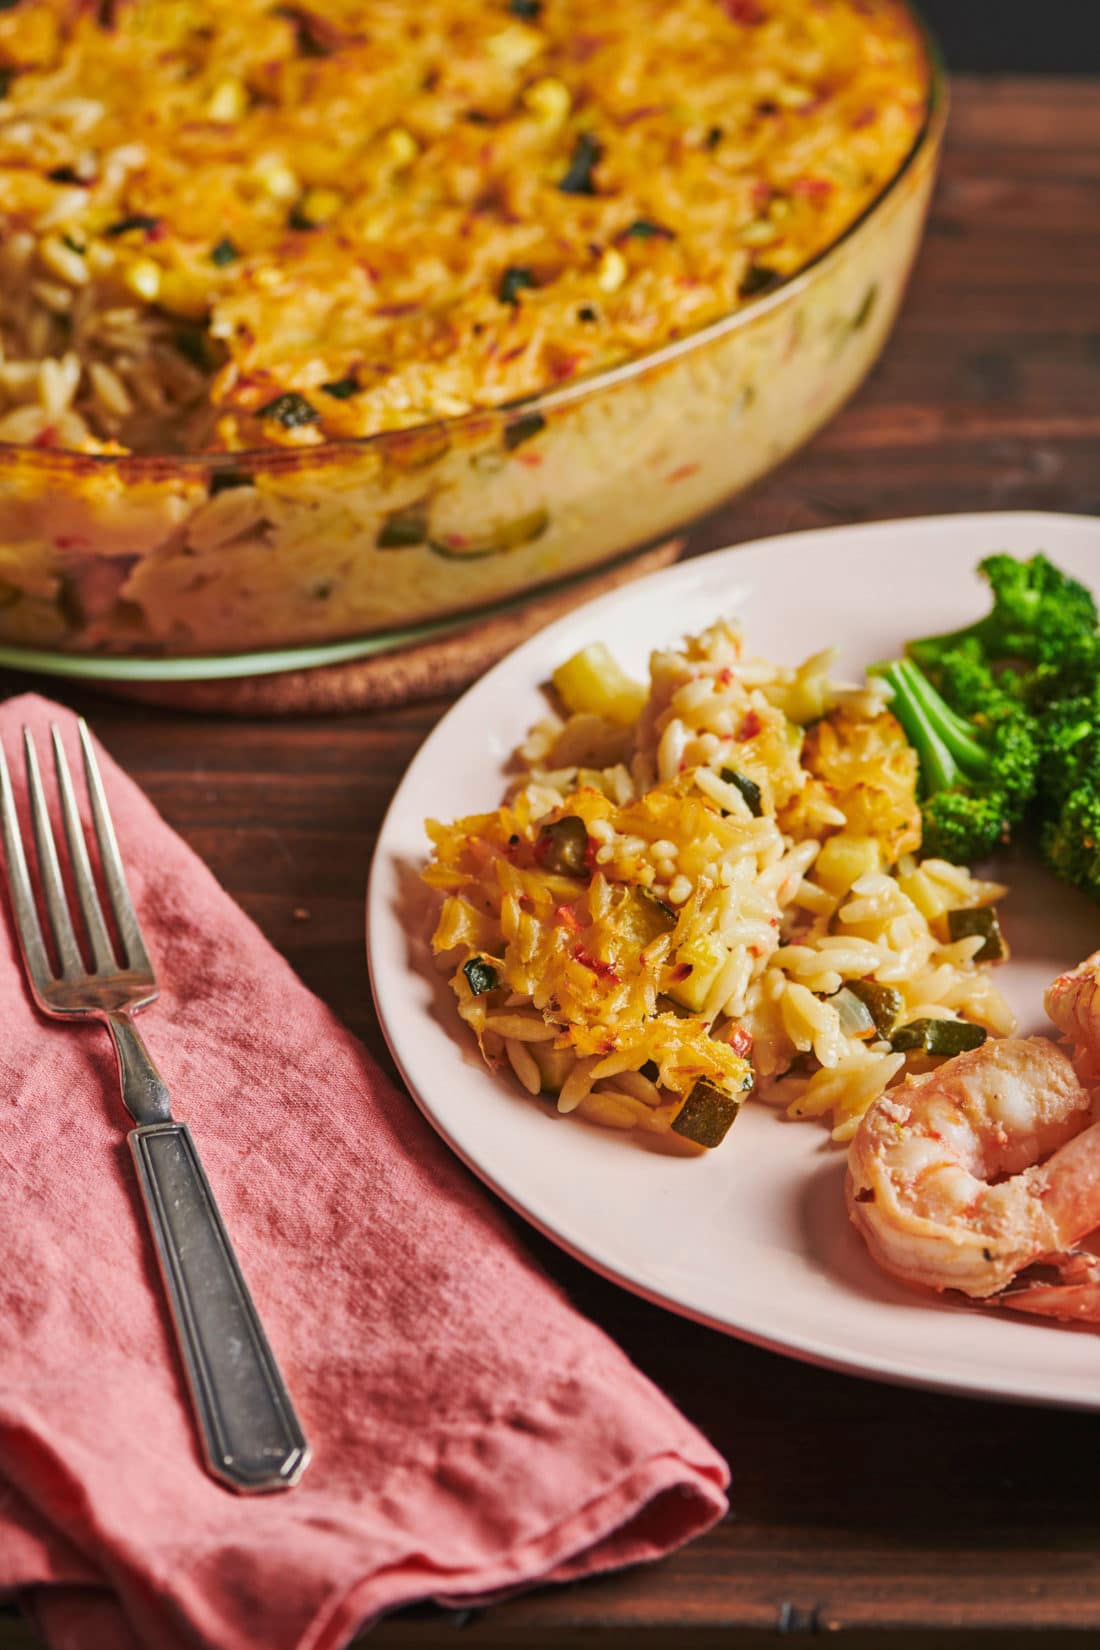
x: 1073, y: 1003
x: 963, y: 1177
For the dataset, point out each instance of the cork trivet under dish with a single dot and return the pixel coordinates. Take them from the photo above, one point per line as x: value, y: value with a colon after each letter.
x: 429, y: 669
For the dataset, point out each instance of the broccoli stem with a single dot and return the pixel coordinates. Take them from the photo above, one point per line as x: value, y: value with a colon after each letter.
x: 948, y: 752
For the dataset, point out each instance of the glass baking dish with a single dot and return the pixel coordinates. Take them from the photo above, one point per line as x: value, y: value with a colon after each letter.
x: 230, y: 553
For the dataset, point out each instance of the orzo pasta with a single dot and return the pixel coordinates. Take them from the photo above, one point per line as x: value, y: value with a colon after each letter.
x: 709, y: 887
x: 226, y: 224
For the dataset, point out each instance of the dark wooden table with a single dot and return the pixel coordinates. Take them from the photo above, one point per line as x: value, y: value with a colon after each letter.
x: 856, y: 1508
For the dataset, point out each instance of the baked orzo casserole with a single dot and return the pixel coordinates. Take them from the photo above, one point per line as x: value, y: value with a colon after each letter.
x: 242, y: 228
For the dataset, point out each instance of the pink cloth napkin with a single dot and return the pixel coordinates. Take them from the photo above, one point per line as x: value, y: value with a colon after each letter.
x: 472, y: 1433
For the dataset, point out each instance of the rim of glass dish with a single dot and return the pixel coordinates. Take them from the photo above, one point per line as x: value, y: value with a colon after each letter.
x: 159, y: 466
x: 272, y: 661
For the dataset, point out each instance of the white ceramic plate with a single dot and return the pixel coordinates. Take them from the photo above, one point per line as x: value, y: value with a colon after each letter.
x: 753, y: 1238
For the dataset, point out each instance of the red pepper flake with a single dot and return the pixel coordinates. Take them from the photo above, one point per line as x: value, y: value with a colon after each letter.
x: 72, y: 541
x: 750, y: 727
x: 602, y: 969
x: 741, y: 1040
x: 591, y: 848
x: 568, y: 918
x: 682, y: 473
x: 532, y: 460
x: 813, y: 188
x: 681, y: 971
x: 746, y: 12
x: 725, y: 676
x: 456, y: 541
x: 865, y: 117
x: 46, y: 437
x: 565, y: 367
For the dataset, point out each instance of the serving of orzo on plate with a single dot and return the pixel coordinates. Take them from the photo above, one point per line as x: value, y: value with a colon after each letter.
x: 711, y: 887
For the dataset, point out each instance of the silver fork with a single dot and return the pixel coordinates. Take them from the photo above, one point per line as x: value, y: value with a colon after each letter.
x: 251, y: 1436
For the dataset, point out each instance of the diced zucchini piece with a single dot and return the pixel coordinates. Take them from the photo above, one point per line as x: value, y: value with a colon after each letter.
x: 592, y: 683
x: 705, y: 957
x: 945, y: 1037
x: 522, y: 429
x: 749, y: 789
x: 562, y: 846
x: 707, y: 1115
x: 405, y: 527
x: 554, y: 1065
x: 932, y: 899
x: 844, y: 859
x: 510, y: 535
x: 983, y: 920
x: 481, y: 976
x: 645, y: 917
x: 856, y: 1019
x: 809, y: 699
x: 883, y: 1002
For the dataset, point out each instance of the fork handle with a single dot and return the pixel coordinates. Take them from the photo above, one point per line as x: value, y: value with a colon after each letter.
x: 252, y: 1438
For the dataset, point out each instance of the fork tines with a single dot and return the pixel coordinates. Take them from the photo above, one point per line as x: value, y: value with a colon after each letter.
x: 53, y: 888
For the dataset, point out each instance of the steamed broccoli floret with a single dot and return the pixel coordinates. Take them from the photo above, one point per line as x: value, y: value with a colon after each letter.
x: 1069, y: 746
x: 970, y: 684
x: 1070, y: 839
x: 1042, y: 623
x: 975, y: 779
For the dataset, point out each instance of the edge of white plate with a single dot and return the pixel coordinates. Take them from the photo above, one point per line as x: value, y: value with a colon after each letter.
x: 809, y: 1350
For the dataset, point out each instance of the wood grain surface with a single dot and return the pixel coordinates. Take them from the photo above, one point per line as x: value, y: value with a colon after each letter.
x: 859, y: 1509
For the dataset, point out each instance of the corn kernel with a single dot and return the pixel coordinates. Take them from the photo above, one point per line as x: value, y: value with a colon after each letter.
x: 549, y: 101
x: 612, y: 271
x: 228, y: 102
x: 143, y: 279
x: 401, y: 146
x: 317, y: 206
x: 276, y: 178
x: 760, y: 232
x: 184, y: 294
x: 790, y: 95
x: 514, y: 46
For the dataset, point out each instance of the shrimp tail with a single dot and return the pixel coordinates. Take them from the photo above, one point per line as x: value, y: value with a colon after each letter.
x: 1060, y: 1286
